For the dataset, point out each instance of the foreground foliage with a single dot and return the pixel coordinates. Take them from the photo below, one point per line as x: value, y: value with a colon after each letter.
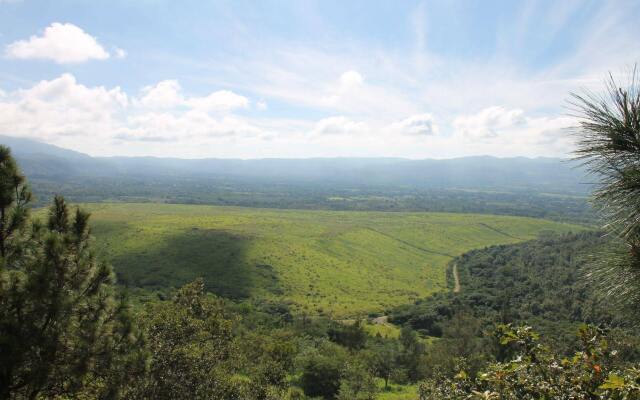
x: 609, y: 145
x: 535, y: 372
x: 63, y: 331
x: 193, y: 354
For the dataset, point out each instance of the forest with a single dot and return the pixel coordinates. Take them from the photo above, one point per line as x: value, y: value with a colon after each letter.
x: 570, y: 207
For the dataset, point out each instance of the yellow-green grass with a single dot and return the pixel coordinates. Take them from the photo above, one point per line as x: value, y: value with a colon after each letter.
x: 397, y: 392
x: 385, y: 330
x: 336, y: 263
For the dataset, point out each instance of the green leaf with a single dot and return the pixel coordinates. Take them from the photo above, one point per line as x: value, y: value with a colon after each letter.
x: 613, y: 382
x: 461, y: 375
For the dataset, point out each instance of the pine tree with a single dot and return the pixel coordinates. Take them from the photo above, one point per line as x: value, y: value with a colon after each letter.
x: 14, y: 200
x: 609, y: 146
x: 63, y: 330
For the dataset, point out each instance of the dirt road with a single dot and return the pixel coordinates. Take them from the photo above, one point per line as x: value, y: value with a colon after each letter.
x: 456, y: 280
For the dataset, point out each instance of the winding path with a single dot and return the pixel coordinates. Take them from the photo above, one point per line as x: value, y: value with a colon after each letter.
x: 456, y: 279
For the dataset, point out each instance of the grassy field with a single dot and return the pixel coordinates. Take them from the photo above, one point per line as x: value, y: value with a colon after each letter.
x: 397, y: 392
x: 322, y: 262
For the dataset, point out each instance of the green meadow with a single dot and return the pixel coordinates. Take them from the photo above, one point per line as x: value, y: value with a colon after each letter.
x: 334, y: 263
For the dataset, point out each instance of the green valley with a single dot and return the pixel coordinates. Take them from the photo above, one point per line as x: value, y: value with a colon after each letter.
x: 333, y: 263
x: 319, y: 200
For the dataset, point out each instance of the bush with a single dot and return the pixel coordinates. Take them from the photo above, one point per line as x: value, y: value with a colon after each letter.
x: 594, y: 372
x: 321, y: 376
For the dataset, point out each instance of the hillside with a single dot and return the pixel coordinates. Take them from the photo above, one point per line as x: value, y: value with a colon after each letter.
x: 538, y: 283
x: 336, y: 263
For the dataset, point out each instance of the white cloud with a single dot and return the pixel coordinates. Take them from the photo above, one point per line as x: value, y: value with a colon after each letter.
x: 405, y: 81
x: 62, y: 43
x: 505, y: 131
x: 65, y: 91
x: 164, y: 94
x: 489, y: 123
x: 168, y: 94
x: 417, y: 125
x: 339, y: 125
x: 379, y: 93
x: 91, y: 119
x: 351, y: 79
x: 220, y: 100
x: 163, y: 120
x: 178, y: 127
x: 310, y: 78
x: 349, y: 86
x: 60, y: 109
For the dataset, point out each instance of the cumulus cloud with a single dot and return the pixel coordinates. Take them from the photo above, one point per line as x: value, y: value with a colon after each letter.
x: 168, y: 94
x: 514, y: 132
x: 164, y: 119
x: 171, y: 127
x: 348, y: 86
x: 60, y: 107
x: 64, y: 112
x: 62, y: 43
x: 164, y: 94
x: 217, y: 101
x: 489, y: 123
x: 339, y: 125
x: 417, y: 125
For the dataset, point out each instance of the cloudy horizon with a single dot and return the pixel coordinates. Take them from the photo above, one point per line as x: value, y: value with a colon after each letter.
x: 418, y: 79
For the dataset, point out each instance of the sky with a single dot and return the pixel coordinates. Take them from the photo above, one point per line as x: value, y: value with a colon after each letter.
x: 297, y: 79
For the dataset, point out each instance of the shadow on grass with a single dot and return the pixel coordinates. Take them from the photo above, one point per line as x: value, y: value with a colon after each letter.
x: 217, y: 256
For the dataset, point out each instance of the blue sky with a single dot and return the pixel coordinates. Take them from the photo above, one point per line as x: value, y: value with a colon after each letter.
x: 254, y: 79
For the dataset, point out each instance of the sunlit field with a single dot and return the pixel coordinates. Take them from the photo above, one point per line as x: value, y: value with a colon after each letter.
x: 333, y: 263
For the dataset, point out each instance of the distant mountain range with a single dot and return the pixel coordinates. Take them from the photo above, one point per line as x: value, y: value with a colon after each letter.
x: 47, y: 162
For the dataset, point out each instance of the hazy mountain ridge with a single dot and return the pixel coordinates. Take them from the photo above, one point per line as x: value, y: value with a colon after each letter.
x: 41, y: 160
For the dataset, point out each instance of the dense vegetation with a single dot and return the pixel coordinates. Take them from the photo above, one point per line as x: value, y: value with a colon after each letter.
x: 63, y: 331
x: 571, y: 207
x: 483, y: 345
x: 536, y: 283
x: 595, y: 371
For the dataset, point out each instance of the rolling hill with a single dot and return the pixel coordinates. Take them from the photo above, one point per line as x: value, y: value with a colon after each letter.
x: 320, y: 262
